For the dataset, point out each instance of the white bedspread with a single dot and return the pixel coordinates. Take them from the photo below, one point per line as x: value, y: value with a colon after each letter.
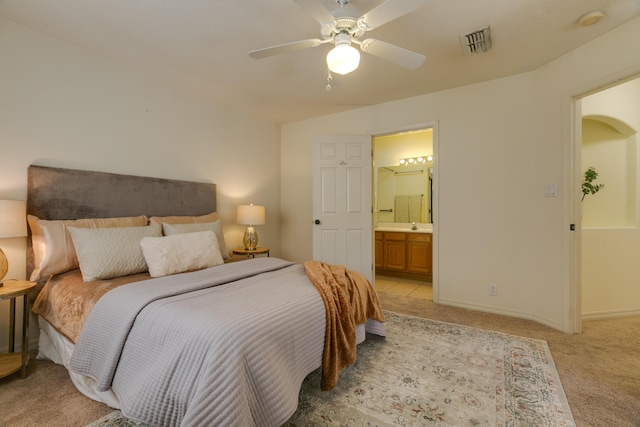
x: 234, y: 354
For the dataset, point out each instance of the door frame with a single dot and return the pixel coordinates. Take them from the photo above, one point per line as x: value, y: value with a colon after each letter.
x: 574, y: 205
x: 575, y: 249
x: 434, y: 196
x: 576, y: 171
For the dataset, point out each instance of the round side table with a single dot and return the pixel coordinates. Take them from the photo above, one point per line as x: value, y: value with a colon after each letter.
x: 251, y: 253
x: 12, y: 361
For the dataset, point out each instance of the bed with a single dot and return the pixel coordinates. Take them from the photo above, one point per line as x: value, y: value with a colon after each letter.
x: 139, y: 300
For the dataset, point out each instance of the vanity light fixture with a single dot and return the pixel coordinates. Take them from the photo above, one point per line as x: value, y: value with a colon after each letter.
x: 415, y: 160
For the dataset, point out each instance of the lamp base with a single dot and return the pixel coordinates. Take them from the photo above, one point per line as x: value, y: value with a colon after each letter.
x: 250, y: 239
x: 4, y: 266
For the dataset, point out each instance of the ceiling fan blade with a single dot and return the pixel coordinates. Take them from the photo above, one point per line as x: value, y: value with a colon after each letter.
x: 316, y: 10
x: 398, y: 55
x: 284, y: 48
x: 388, y: 11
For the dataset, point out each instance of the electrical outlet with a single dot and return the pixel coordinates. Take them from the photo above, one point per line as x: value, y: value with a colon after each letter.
x: 493, y: 289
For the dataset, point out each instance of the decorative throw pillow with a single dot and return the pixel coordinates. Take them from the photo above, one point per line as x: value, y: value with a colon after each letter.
x: 105, y: 253
x: 215, y: 226
x: 53, y: 249
x: 184, y: 219
x: 179, y: 253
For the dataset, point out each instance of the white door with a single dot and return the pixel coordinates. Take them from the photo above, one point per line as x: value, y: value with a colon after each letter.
x: 342, y: 229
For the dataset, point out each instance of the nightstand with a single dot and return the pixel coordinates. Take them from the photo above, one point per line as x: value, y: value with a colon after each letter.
x: 13, y: 362
x: 251, y: 253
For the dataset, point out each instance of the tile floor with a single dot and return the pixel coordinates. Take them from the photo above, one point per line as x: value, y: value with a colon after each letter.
x: 406, y: 287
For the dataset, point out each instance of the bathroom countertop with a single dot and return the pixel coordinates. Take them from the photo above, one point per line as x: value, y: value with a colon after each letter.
x: 405, y: 229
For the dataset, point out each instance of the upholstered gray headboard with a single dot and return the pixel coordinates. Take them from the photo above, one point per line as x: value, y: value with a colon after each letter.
x: 55, y: 193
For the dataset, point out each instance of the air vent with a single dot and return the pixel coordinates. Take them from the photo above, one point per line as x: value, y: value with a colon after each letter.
x: 476, y: 41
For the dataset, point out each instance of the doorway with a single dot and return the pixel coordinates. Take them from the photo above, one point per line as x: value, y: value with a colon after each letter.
x: 403, y: 208
x: 610, y: 233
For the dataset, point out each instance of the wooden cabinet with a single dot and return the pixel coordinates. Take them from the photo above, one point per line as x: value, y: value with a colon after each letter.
x: 394, y: 251
x: 419, y: 253
x: 403, y: 253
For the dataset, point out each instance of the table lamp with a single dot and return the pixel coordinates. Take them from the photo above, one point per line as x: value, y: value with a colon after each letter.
x: 12, y: 224
x: 250, y: 215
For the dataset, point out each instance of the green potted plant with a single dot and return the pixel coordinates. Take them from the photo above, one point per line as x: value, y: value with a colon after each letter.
x: 588, y: 187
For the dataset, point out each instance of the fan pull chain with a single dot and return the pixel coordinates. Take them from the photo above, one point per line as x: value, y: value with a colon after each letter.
x: 329, y: 79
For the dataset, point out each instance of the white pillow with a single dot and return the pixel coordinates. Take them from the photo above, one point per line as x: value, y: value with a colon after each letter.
x: 104, y: 253
x: 215, y: 226
x: 181, y: 252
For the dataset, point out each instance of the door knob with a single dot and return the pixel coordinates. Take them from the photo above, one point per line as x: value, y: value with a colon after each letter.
x: 317, y: 221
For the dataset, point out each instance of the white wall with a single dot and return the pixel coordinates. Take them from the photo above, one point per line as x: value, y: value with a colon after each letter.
x: 64, y: 107
x: 610, y: 233
x: 498, y: 144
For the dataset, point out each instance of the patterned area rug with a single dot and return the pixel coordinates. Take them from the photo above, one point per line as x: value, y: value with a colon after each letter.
x: 428, y: 373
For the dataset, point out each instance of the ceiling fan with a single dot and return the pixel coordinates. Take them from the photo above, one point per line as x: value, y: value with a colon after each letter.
x: 344, y: 26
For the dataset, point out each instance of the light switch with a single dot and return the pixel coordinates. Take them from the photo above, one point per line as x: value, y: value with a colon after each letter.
x: 551, y: 190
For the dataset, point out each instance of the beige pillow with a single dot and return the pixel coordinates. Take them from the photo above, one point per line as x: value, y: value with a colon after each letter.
x: 105, y: 253
x: 213, y: 216
x: 216, y: 227
x: 179, y: 253
x: 53, y: 249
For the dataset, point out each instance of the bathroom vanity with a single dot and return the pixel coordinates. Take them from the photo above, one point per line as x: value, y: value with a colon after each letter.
x: 404, y: 252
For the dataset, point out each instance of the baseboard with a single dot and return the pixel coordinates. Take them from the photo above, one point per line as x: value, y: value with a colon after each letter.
x: 503, y: 312
x: 486, y: 308
x: 611, y: 314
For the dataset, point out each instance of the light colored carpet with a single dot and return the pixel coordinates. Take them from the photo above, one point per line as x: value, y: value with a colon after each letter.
x: 433, y: 373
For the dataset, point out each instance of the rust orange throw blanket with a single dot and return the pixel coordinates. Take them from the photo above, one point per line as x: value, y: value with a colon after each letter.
x: 349, y: 300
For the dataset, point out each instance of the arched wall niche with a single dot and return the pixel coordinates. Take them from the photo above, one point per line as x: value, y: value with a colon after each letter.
x: 625, y: 129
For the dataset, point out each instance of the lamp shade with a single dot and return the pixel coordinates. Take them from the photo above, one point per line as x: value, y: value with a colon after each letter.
x: 250, y: 214
x: 13, y: 218
x: 343, y: 58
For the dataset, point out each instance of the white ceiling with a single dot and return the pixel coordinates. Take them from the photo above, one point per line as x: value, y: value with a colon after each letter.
x: 203, y: 45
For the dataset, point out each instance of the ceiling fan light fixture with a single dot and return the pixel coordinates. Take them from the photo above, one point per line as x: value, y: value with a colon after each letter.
x: 343, y: 58
x: 343, y: 27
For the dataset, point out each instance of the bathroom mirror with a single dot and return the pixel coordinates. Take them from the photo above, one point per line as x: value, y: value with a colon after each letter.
x: 404, y: 193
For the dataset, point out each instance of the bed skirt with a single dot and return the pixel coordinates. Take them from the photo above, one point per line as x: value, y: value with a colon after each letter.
x: 57, y: 348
